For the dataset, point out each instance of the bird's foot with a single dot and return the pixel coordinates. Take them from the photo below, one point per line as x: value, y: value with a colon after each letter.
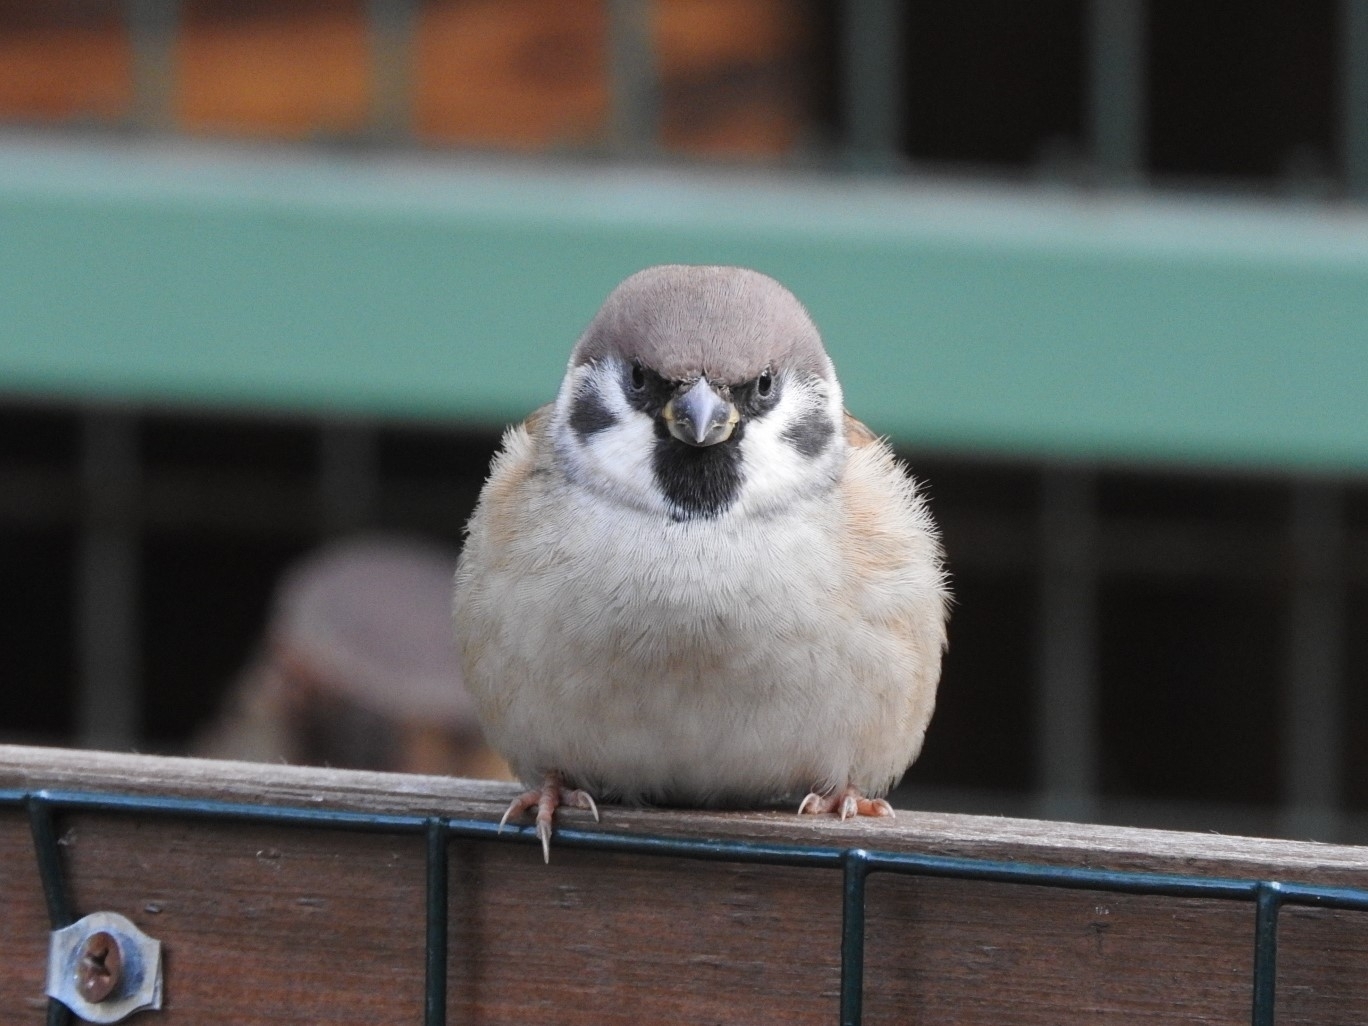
x: 545, y: 799
x: 847, y: 802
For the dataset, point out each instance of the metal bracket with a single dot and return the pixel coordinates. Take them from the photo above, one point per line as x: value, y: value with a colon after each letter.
x: 104, y: 968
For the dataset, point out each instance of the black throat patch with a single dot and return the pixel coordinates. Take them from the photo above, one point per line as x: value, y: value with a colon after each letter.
x: 699, y: 481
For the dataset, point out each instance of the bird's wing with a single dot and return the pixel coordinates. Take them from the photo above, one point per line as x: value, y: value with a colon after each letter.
x: 538, y: 420
x: 892, y: 548
x: 503, y: 503
x: 507, y: 513
x: 857, y: 435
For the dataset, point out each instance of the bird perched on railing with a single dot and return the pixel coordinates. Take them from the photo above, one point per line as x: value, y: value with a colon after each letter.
x: 693, y: 579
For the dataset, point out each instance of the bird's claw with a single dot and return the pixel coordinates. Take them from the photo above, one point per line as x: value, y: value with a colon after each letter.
x: 545, y: 799
x: 544, y: 835
x: 581, y: 800
x: 846, y: 803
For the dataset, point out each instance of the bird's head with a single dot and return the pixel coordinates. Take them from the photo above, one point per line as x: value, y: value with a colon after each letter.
x: 698, y: 391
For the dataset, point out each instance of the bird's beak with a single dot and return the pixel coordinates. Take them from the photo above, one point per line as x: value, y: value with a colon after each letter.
x: 700, y: 416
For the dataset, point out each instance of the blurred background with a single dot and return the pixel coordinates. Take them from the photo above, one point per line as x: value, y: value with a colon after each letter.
x: 274, y: 275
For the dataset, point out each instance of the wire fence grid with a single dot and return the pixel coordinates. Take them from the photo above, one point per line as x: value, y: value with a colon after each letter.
x: 855, y: 865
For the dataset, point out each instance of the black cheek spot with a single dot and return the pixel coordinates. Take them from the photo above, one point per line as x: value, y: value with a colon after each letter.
x: 698, y: 481
x: 810, y: 433
x: 589, y: 415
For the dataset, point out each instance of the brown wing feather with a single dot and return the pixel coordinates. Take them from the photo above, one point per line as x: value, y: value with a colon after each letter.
x: 517, y: 459
x: 536, y: 420
x: 857, y: 434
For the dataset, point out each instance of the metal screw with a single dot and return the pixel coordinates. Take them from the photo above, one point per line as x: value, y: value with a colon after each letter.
x: 103, y: 968
x: 100, y: 969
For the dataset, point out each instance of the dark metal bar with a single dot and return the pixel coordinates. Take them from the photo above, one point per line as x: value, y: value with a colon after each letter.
x: 1350, y: 899
x: 197, y: 808
x: 1266, y: 907
x: 393, y: 29
x: 152, y: 28
x: 49, y: 861
x: 855, y: 870
x: 1066, y: 689
x: 1314, y: 677
x: 49, y: 858
x: 1065, y: 877
x: 1116, y: 88
x: 678, y: 847
x: 58, y: 1014
x: 1354, y: 92
x: 436, y: 970
x: 108, y: 706
x: 634, y: 77
x: 872, y: 90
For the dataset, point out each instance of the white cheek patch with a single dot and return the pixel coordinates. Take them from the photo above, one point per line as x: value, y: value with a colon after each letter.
x: 775, y: 469
x: 621, y: 458
x: 614, y: 460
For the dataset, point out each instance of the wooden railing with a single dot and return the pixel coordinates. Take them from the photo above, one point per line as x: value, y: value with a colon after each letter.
x: 298, y: 920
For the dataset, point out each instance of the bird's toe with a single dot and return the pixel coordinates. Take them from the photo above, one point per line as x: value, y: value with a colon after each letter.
x: 545, y: 800
x: 847, y: 803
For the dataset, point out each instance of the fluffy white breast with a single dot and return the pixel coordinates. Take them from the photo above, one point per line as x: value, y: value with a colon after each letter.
x: 735, y: 656
x: 697, y: 661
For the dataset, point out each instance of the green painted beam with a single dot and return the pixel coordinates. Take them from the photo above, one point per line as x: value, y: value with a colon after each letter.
x: 1027, y: 322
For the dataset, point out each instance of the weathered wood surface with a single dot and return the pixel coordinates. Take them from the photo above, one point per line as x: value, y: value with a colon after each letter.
x: 293, y: 925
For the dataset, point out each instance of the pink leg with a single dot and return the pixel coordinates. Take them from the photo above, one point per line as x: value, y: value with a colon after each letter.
x: 848, y: 802
x: 545, y: 800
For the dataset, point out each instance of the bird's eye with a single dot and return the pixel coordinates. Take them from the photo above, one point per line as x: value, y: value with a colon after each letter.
x: 638, y: 377
x: 764, y: 384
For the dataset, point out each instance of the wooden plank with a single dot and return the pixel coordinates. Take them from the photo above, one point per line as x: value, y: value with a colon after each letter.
x: 273, y: 924
x: 23, y: 925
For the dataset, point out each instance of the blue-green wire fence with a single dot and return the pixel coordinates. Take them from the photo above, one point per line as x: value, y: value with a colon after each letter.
x: 855, y: 864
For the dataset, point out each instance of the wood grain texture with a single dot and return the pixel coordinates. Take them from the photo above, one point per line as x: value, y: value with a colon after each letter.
x: 23, y: 924
x: 275, y: 924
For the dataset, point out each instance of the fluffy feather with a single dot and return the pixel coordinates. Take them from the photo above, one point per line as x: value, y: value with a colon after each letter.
x: 791, y: 642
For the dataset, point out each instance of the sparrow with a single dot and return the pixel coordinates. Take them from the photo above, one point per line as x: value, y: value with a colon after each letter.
x: 695, y: 580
